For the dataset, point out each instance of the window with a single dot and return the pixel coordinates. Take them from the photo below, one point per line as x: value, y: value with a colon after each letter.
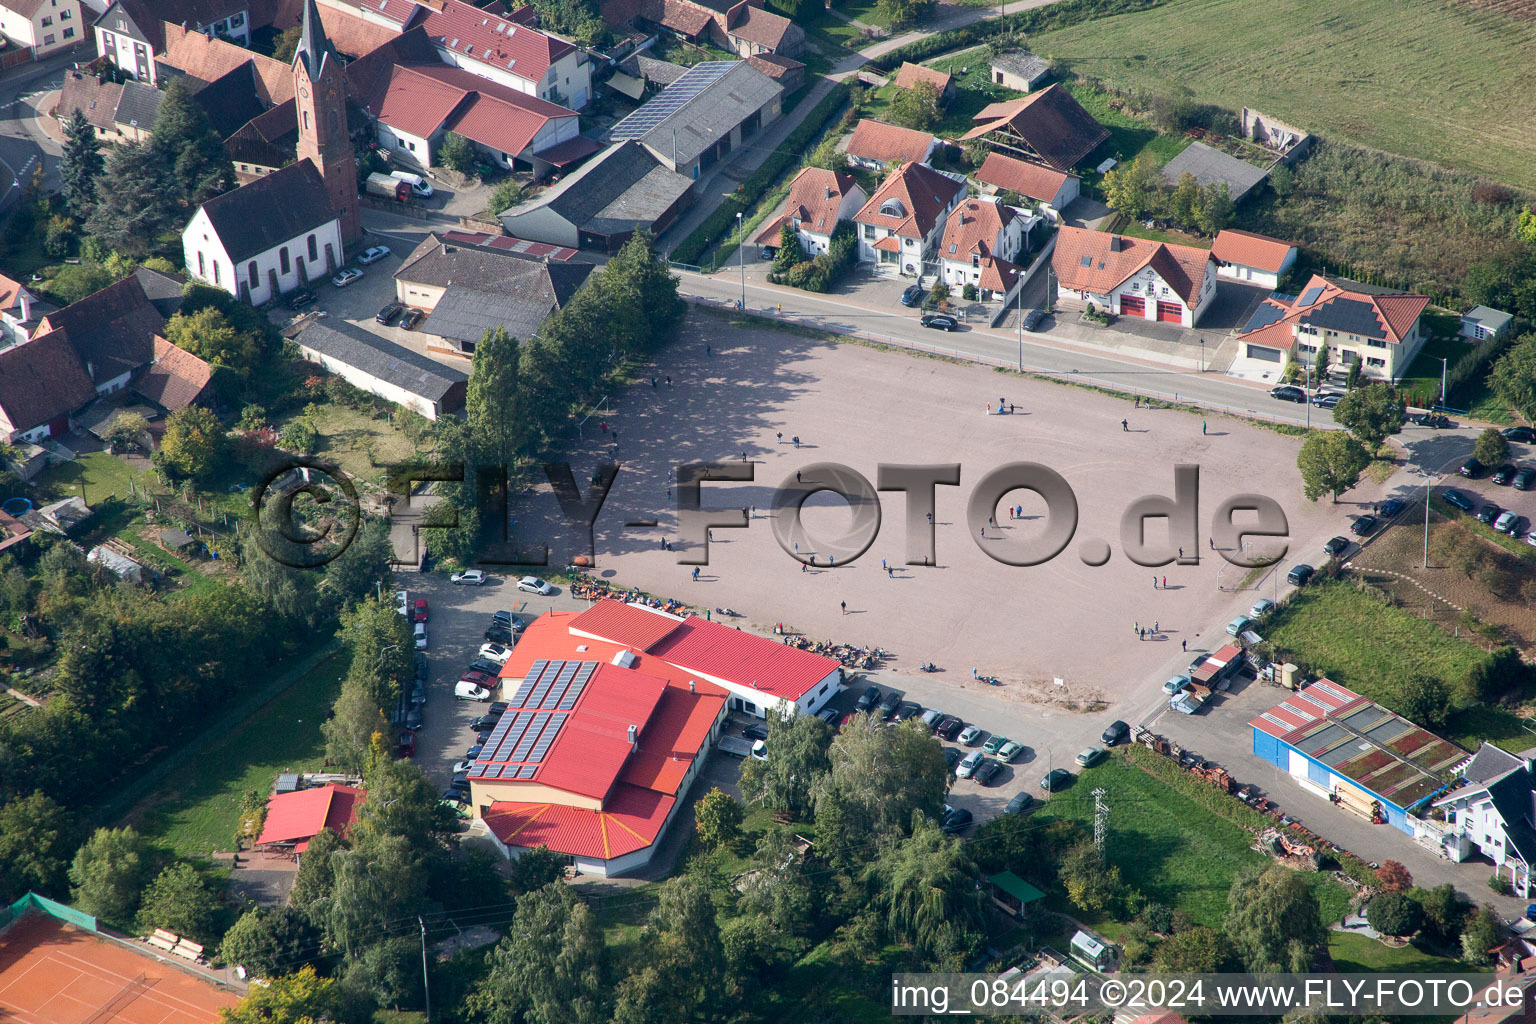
x: 282, y: 258
x: 314, y: 253
x: 251, y: 272
x: 69, y: 33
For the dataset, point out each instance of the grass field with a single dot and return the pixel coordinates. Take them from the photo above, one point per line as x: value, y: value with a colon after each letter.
x: 1387, y: 75
x: 197, y: 813
x: 1333, y: 629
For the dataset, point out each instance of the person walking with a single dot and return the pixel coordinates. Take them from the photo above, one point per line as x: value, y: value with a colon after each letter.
x: 1125, y: 426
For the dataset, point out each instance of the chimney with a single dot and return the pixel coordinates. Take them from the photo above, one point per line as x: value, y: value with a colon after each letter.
x: 1115, y: 243
x: 634, y: 734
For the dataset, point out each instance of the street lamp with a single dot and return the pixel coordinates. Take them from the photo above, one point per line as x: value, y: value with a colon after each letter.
x: 742, y: 249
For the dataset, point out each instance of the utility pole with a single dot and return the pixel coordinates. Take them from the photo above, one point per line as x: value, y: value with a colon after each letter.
x: 425, y: 985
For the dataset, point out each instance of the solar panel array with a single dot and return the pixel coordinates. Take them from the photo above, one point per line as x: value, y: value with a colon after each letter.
x: 533, y: 719
x: 671, y: 99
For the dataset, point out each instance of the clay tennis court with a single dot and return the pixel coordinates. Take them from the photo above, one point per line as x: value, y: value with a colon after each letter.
x: 53, y: 973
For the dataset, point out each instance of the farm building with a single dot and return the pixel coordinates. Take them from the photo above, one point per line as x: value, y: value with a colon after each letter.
x: 1354, y: 752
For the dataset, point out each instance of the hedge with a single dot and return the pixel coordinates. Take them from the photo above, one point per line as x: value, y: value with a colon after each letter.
x: 1060, y: 14
x: 747, y: 195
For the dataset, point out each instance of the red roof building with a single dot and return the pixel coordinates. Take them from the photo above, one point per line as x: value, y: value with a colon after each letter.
x: 293, y: 819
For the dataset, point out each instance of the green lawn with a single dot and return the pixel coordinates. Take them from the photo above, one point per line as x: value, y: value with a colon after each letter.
x: 1360, y: 954
x: 1333, y: 629
x: 1336, y: 69
x: 196, y: 814
x: 1168, y: 846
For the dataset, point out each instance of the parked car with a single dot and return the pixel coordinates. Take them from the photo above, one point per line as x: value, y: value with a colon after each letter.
x: 986, y: 772
x: 373, y: 254
x: 346, y: 276
x: 1288, y: 393
x: 1456, y: 499
x: 1390, y: 508
x: 534, y: 585
x: 939, y: 322
x: 1055, y: 779
x: 969, y: 764
x: 1520, y: 435
x: 1176, y: 685
x: 1363, y: 526
x: 1488, y: 513
x: 1009, y: 750
x: 956, y: 819
x: 301, y: 298
x: 1090, y: 756
x: 889, y: 703
x: 868, y: 699
x: 995, y: 743
x: 1472, y: 468
x: 469, y: 577
x: 419, y: 610
x: 412, y: 318
x: 1019, y: 804
x: 1525, y: 479
x: 389, y: 314
x: 913, y: 296
x: 1336, y: 546
x: 969, y: 735
x: 1118, y: 732
x: 1237, y: 625
x: 1033, y: 319
x: 1504, y: 474
x: 1299, y: 575
x: 949, y: 727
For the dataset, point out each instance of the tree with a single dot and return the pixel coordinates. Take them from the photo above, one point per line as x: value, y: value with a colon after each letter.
x: 303, y: 997
x: 1134, y: 189
x: 682, y: 973
x: 916, y: 108
x: 136, y: 200
x: 186, y: 142
x: 1184, y: 200
x: 927, y: 889
x: 717, y: 817
x: 1214, y: 210
x: 193, y: 443
x: 878, y: 778
x: 551, y: 966
x: 456, y: 153
x: 1491, y: 448
x: 179, y: 902
x: 81, y: 168
x: 1513, y: 377
x: 1331, y: 462
x: 127, y: 430
x: 1196, y: 950
x: 36, y: 837
x: 1273, y: 921
x: 797, y: 761
x: 1393, y: 913
x: 496, y: 429
x: 1372, y: 412
x: 1483, y: 934
x: 902, y: 13
x: 1425, y: 700
x: 270, y: 942
x: 108, y: 874
x: 505, y: 196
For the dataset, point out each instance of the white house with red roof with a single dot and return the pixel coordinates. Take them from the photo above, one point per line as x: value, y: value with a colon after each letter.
x: 1133, y: 277
x: 1348, y: 319
x: 981, y: 246
x: 900, y: 226
x: 818, y: 201
x: 1258, y: 259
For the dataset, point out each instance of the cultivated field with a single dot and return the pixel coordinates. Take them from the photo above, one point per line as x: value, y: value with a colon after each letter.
x: 1393, y: 76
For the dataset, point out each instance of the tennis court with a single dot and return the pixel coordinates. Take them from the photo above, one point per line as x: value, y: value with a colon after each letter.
x: 54, y: 973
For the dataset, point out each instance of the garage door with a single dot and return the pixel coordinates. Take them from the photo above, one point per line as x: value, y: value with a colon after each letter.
x: 1133, y: 305
x: 1170, y: 312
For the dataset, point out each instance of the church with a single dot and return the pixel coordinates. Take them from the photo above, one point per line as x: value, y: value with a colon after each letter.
x: 293, y: 226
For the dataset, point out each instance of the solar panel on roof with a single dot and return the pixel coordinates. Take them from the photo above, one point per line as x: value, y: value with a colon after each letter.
x: 672, y: 99
x: 1310, y: 295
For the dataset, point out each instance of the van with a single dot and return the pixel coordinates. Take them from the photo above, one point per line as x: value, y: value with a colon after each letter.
x: 464, y: 690
x: 419, y: 185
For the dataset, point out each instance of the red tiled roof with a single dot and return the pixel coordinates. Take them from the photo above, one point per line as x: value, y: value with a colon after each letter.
x: 1181, y: 266
x: 1027, y: 179
x: 629, y: 625
x: 630, y: 821
x: 1251, y: 250
x: 910, y: 74
x: 1050, y: 121
x: 922, y: 192
x: 297, y: 816
x: 744, y: 659
x: 175, y: 379
x: 972, y: 229
x: 887, y: 143
x: 491, y: 39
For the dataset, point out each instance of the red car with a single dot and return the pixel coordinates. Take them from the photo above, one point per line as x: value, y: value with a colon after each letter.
x: 421, y: 610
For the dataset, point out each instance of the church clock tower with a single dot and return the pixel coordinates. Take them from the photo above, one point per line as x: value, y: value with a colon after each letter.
x: 320, y: 96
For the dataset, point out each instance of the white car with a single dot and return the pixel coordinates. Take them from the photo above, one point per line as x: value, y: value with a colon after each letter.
x: 402, y: 602
x: 469, y: 577
x: 534, y: 585
x: 496, y: 653
x: 373, y: 254
x: 1176, y: 685
x: 969, y: 735
x: 346, y: 277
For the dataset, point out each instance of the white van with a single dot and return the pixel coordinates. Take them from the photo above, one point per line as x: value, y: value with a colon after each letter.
x: 469, y: 691
x: 421, y: 636
x: 419, y: 185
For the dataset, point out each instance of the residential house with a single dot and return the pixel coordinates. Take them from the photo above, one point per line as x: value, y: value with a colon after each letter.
x: 709, y: 112
x: 981, y: 246
x: 119, y: 111
x: 20, y: 312
x: 1020, y: 71
x: 469, y: 289
x: 45, y: 26
x: 380, y: 367
x: 131, y: 33
x: 1495, y: 814
x: 909, y: 75
x: 1047, y: 127
x: 900, y: 225
x: 1346, y: 318
x: 818, y: 201
x: 1053, y: 190
x: 516, y: 56
x: 1133, y: 277
x: 880, y: 146
x: 42, y: 383
x: 622, y: 190
x: 1481, y: 323
x: 1245, y: 256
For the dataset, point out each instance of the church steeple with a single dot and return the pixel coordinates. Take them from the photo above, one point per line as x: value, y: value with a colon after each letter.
x: 314, y: 48
x: 320, y: 98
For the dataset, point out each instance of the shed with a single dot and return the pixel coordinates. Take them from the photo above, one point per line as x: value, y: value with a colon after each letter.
x: 1012, y: 893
